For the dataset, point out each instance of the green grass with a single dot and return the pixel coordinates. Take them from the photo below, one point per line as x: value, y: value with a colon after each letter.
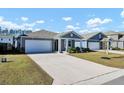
x: 112, y: 60
x: 21, y: 70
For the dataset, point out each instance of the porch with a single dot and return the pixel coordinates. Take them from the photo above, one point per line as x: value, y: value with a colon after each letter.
x: 62, y: 44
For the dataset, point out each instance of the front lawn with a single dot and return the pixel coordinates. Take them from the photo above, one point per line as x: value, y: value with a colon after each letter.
x: 20, y: 69
x: 112, y: 60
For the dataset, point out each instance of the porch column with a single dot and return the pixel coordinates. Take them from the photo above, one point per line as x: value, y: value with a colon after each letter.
x: 66, y: 48
x: 81, y: 45
x: 59, y: 45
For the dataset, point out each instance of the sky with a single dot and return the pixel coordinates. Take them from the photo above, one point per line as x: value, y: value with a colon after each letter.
x: 81, y: 20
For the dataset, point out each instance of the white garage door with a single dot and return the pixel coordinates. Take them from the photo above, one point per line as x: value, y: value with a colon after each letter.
x: 84, y: 44
x: 37, y: 46
x: 94, y: 45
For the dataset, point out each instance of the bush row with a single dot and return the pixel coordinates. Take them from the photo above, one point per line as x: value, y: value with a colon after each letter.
x: 116, y: 48
x: 78, y: 50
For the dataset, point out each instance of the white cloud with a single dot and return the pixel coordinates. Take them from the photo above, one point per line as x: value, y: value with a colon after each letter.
x: 24, y: 19
x: 1, y: 18
x: 96, y: 29
x: 105, y: 21
x: 97, y: 22
x: 24, y: 26
x: 123, y: 22
x: 77, y: 23
x: 122, y: 14
x: 27, y: 25
x: 40, y: 21
x: 83, y: 31
x: 91, y: 30
x: 71, y: 27
x: 10, y: 25
x: 37, y: 29
x: 67, y: 18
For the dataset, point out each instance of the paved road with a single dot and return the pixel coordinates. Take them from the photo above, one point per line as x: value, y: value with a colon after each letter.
x: 117, y: 81
x: 66, y: 69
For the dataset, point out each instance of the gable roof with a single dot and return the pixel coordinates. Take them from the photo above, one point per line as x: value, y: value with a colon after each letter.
x: 42, y: 34
x: 90, y: 35
x: 65, y: 33
x: 49, y: 35
x: 113, y: 33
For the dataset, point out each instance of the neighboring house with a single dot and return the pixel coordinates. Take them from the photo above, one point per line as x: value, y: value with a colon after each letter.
x: 117, y: 39
x: 6, y: 43
x: 92, y: 40
x: 46, y: 41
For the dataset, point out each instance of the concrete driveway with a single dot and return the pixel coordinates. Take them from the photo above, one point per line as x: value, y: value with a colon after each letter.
x: 66, y: 69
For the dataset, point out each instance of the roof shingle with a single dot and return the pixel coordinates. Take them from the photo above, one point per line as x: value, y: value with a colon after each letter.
x: 42, y: 34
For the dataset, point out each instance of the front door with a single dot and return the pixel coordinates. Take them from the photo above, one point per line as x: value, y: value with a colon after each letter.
x: 56, y: 45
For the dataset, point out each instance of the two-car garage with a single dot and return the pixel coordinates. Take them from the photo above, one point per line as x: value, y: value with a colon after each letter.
x: 38, y: 46
x: 94, y: 45
x: 41, y: 46
x: 89, y: 44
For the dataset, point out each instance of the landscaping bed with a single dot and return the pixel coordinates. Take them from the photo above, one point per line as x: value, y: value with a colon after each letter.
x: 118, y: 49
x: 21, y: 70
x: 112, y: 60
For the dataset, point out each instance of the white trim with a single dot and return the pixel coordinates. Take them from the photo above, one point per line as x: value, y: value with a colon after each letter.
x: 59, y: 45
x: 66, y: 45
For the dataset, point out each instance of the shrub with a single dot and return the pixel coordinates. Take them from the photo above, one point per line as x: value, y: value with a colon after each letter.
x: 72, y: 50
x: 116, y: 48
x: 86, y: 50
x: 78, y: 50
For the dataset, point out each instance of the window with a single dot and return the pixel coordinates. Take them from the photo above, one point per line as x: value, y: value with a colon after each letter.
x: 69, y: 43
x: 9, y: 39
x: 1, y: 39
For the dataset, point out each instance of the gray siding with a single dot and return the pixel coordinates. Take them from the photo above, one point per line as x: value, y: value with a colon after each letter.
x: 120, y: 45
x: 117, y: 44
x: 69, y: 36
x: 115, y: 37
x: 114, y: 44
x: 96, y: 37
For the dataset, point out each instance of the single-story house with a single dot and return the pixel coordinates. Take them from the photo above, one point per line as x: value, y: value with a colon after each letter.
x: 117, y: 39
x: 46, y: 41
x: 92, y: 40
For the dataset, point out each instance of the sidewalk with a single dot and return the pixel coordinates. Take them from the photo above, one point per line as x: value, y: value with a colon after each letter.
x: 99, y: 80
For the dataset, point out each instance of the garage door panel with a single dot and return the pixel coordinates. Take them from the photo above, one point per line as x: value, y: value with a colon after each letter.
x: 94, y: 45
x: 37, y: 46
